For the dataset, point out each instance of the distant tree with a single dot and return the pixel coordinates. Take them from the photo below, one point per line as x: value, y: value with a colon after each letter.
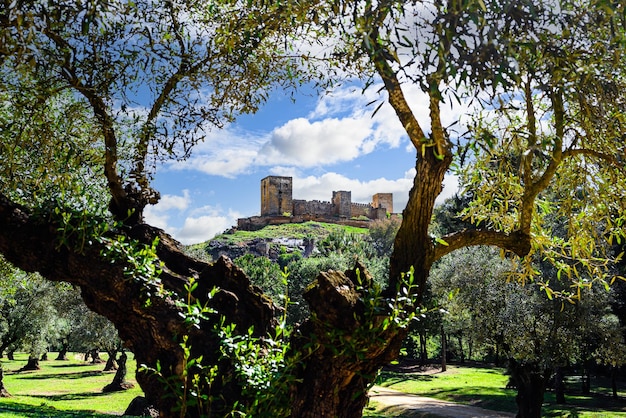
x: 26, y: 313
x: 265, y: 274
x: 539, y: 335
x: 80, y: 139
x: 382, y: 234
x: 4, y: 393
x: 119, y: 382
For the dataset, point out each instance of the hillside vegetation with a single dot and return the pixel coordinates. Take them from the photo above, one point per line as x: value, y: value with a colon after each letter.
x: 311, y: 229
x: 284, y: 259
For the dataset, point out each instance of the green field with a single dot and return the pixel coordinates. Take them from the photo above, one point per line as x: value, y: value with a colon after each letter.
x: 485, y: 387
x: 61, y: 389
x: 73, y: 388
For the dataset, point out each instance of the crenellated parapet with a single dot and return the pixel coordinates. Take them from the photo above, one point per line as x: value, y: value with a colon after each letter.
x: 278, y: 207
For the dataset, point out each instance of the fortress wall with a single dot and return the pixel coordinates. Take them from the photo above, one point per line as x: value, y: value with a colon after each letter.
x: 277, y: 201
x: 379, y: 213
x: 312, y: 207
x: 383, y: 200
x: 342, y: 201
x: 360, y: 209
x: 276, y: 195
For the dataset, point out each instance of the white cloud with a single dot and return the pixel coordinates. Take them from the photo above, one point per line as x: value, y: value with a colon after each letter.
x: 158, y: 215
x: 341, y: 128
x: 202, y: 228
x: 304, y: 143
x: 321, y: 188
x: 200, y: 224
x: 168, y: 202
x: 225, y: 152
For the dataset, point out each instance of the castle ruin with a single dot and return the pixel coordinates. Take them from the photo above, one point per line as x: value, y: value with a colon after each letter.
x: 278, y: 206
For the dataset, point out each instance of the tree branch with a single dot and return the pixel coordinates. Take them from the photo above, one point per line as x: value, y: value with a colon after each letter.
x: 68, y: 71
x: 516, y: 242
x: 397, y: 100
x: 611, y: 159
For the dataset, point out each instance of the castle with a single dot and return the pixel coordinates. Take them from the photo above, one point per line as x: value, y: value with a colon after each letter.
x: 279, y: 207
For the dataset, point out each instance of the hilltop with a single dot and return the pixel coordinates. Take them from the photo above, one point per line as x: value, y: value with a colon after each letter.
x: 271, y: 240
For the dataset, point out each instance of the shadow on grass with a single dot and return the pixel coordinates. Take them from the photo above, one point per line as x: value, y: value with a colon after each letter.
x: 397, y: 412
x: 65, y: 365
x: 598, y: 403
x: 75, y: 375
x: 391, y: 378
x: 504, y: 402
x: 69, y: 396
x: 19, y: 410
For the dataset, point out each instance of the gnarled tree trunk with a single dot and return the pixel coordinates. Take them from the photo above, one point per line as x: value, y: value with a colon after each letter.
x: 4, y: 393
x: 31, y: 364
x: 119, y: 382
x: 150, y: 325
x: 111, y: 363
x: 530, y: 381
x: 349, y: 346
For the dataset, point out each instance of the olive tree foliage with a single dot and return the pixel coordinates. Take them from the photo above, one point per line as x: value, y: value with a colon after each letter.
x: 27, y: 313
x: 549, y: 77
x: 131, y: 83
x: 538, y: 335
x: 517, y: 319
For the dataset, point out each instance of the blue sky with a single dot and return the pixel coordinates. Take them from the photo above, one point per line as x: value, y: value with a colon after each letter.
x: 327, y: 142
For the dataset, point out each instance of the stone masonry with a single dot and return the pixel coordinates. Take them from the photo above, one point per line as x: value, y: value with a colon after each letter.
x: 279, y: 207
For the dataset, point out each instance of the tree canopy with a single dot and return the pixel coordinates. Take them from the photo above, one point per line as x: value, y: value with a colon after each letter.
x: 94, y: 94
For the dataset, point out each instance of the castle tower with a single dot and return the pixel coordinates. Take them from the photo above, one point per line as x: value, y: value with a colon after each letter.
x: 276, y: 195
x: 342, y: 203
x: 383, y: 200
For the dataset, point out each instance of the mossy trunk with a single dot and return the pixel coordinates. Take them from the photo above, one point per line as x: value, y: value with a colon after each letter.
x: 348, y: 345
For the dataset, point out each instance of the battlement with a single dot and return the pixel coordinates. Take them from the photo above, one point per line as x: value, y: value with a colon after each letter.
x: 278, y: 206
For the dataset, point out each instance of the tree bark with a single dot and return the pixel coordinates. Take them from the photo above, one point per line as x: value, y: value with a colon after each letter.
x: 347, y: 353
x: 31, y: 364
x: 95, y: 356
x: 111, y: 362
x: 586, y: 377
x: 559, y: 386
x: 63, y: 352
x: 444, y: 349
x: 423, y: 348
x: 149, y: 324
x: 530, y: 382
x: 3, y: 391
x: 119, y: 382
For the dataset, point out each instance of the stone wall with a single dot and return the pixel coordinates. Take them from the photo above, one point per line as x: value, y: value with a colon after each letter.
x: 312, y: 207
x: 276, y: 195
x: 342, y: 202
x: 360, y: 209
x: 279, y: 207
x: 383, y: 200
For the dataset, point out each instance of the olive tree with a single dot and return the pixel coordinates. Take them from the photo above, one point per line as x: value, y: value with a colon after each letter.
x: 80, y: 142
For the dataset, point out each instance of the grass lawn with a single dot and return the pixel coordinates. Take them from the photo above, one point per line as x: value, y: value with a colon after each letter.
x: 63, y: 389
x: 485, y: 387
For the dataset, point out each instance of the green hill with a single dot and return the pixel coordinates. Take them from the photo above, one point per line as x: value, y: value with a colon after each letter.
x: 271, y: 240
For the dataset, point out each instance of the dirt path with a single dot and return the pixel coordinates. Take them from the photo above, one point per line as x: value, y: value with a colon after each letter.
x: 420, y: 404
